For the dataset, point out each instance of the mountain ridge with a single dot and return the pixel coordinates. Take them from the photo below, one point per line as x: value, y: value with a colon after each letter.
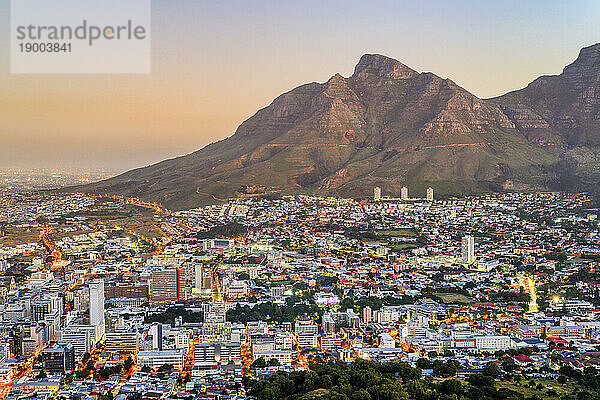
x: 388, y: 125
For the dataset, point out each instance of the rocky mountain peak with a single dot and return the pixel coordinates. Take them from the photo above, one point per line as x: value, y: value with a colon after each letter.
x: 378, y: 65
x: 390, y: 126
x: 589, y: 55
x: 336, y: 79
x: 587, y: 64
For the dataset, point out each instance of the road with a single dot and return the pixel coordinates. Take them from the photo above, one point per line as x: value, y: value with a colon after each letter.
x: 528, y: 284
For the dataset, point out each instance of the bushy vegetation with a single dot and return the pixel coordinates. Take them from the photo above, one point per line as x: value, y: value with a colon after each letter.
x: 367, y: 380
x: 168, y: 316
x: 230, y: 230
x: 272, y: 312
x: 375, y: 303
x: 588, y: 379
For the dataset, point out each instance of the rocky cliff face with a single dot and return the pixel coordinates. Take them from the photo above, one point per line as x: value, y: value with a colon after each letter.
x: 390, y: 126
x: 563, y: 111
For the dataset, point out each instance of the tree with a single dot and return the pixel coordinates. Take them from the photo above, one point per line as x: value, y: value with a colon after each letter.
x: 585, y: 395
x: 509, y: 364
x: 259, y: 363
x: 106, y: 372
x: 106, y: 396
x: 569, y: 371
x: 165, y: 368
x: 445, y: 369
x: 346, y: 303
x: 451, y: 386
x: 361, y: 394
x: 491, y: 369
x: 82, y: 374
x: 146, y: 369
x: 128, y: 363
x: 424, y: 363
x: 325, y: 382
x: 273, y: 362
x: 479, y: 380
x: 392, y: 390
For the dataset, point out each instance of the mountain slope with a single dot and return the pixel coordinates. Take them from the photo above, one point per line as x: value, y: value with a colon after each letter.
x: 390, y: 126
x: 564, y: 111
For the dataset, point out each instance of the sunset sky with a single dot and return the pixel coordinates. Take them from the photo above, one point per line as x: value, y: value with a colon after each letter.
x: 214, y: 64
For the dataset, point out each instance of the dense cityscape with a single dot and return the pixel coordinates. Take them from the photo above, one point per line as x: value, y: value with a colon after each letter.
x: 26, y: 179
x: 296, y: 200
x: 275, y: 296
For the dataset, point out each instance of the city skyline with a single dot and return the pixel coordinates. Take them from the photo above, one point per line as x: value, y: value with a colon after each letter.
x: 209, y: 77
x: 349, y: 200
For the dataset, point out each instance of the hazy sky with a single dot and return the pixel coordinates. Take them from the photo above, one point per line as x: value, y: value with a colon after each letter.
x: 215, y: 63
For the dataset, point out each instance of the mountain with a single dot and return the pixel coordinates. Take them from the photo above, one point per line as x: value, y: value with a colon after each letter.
x: 563, y: 111
x: 390, y: 126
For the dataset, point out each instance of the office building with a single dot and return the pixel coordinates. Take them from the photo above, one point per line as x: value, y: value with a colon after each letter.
x: 215, y: 332
x: 59, y: 358
x: 5, y: 352
x: 468, y: 249
x: 165, y: 286
x: 198, y: 277
x: 157, y: 358
x: 83, y: 337
x: 122, y: 340
x: 28, y: 347
x: 217, y: 352
x: 404, y: 193
x: 253, y: 327
x: 97, y: 305
x: 386, y: 341
x: 236, y: 290
x: 156, y: 331
x: 377, y: 193
x: 367, y: 314
x: 328, y: 324
x: 305, y: 325
x: 45, y: 306
x: 285, y: 357
x: 126, y: 291
x: 277, y: 291
x: 262, y: 342
x: 429, y: 194
x: 307, y: 339
x: 331, y: 343
x: 39, y: 309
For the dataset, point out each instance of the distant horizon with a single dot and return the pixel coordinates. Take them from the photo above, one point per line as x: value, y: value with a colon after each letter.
x: 209, y: 77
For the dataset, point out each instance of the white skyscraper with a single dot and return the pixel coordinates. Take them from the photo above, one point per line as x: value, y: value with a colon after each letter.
x: 429, y: 194
x: 377, y: 193
x: 404, y: 193
x: 468, y: 249
x: 97, y: 306
x: 198, y: 277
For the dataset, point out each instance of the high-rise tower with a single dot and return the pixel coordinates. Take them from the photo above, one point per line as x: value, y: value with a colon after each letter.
x: 97, y: 306
x: 468, y: 249
x: 377, y: 193
x: 429, y: 194
x: 404, y: 193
